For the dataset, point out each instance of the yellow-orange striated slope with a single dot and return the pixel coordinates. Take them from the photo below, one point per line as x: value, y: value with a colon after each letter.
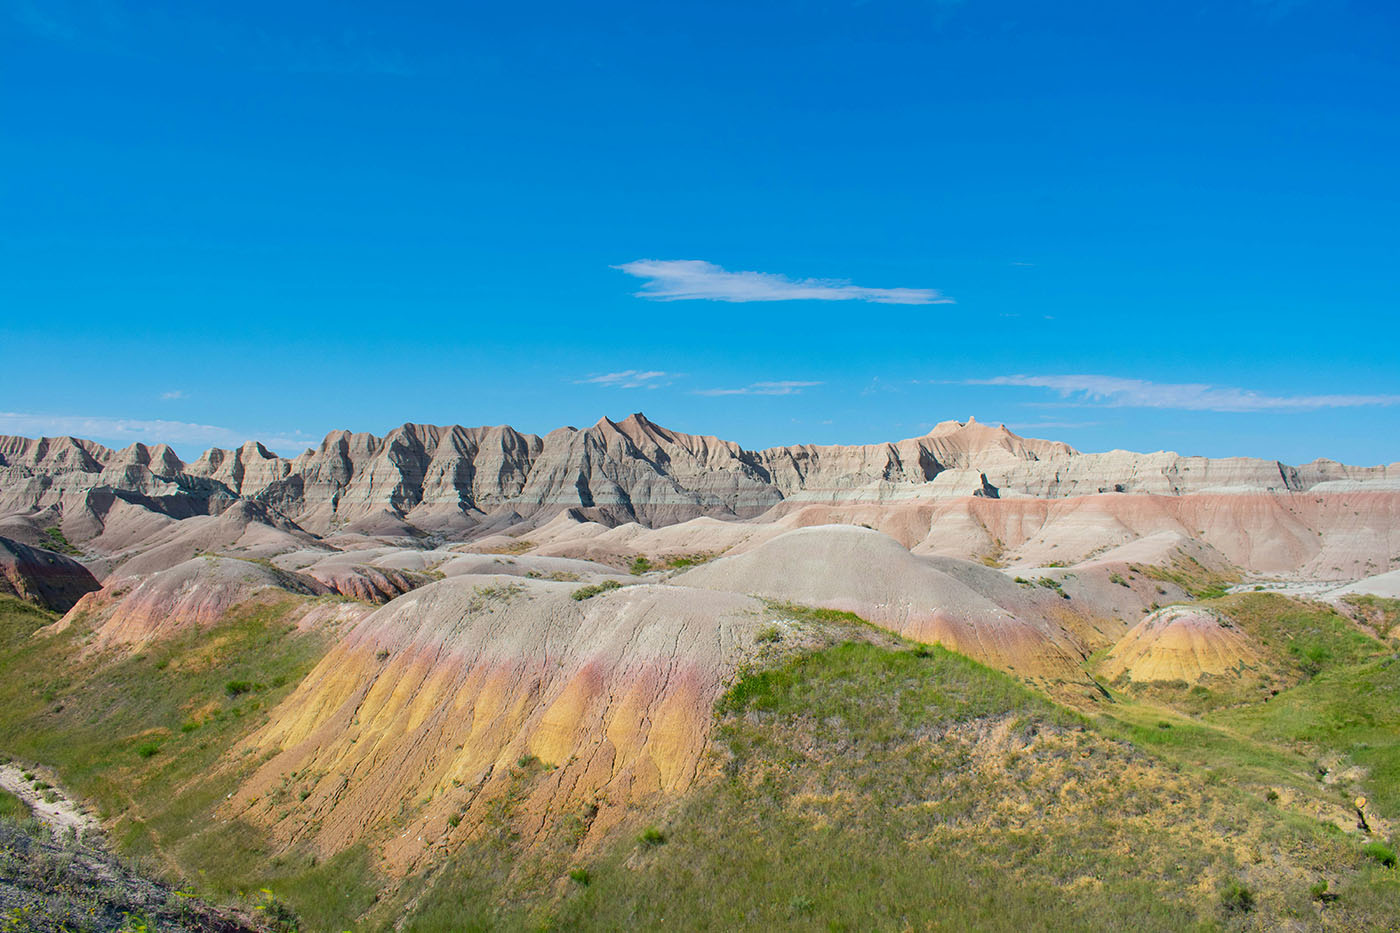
x: 1185, y: 643
x: 424, y: 710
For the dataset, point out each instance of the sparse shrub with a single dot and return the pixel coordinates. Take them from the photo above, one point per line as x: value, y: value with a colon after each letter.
x: 1272, y: 797
x: 1163, y: 724
x: 189, y: 725
x: 280, y: 916
x: 147, y: 749
x: 639, y: 565
x: 580, y: 876
x: 527, y: 761
x: 1236, y: 898
x: 682, y: 561
x: 306, y: 792
x: 769, y: 634
x: 801, y: 904
x: 593, y: 589
x: 454, y: 820
x: 382, y: 655
x: 55, y: 540
x: 1380, y: 852
x: 1117, y: 578
x: 651, y: 836
x: 236, y: 688
x: 1319, y: 892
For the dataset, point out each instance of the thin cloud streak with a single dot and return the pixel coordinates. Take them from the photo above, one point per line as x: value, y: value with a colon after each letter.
x: 695, y: 279
x: 147, y: 431
x: 630, y: 379
x: 789, y: 387
x: 1114, y: 391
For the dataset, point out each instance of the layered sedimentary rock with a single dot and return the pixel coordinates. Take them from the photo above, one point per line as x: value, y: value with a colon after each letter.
x: 964, y: 606
x: 465, y: 482
x: 1185, y: 643
x: 444, y: 694
x: 42, y: 577
x: 193, y: 595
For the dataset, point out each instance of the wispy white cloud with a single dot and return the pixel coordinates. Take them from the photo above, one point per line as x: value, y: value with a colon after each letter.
x: 631, y: 379
x: 788, y: 387
x: 157, y: 431
x: 1140, y: 393
x: 173, y: 394
x: 687, y: 279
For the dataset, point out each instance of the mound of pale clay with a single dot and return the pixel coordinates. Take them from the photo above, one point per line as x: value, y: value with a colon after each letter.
x: 195, y: 594
x: 1386, y: 585
x: 244, y: 529
x: 438, y: 695
x: 1180, y: 643
x: 42, y: 577
x: 966, y: 607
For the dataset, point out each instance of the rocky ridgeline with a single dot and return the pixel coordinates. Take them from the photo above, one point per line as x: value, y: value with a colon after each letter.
x: 470, y: 481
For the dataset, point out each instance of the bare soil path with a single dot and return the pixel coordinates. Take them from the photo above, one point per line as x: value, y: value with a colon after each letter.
x: 51, y: 804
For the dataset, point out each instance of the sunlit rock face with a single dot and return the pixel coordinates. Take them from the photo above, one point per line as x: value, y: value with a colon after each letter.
x: 460, y: 481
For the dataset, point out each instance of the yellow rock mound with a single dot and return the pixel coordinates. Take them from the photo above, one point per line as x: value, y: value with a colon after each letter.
x: 1180, y: 643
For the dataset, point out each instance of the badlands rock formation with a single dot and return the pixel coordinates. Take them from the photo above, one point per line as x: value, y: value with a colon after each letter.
x: 193, y: 595
x: 441, y: 694
x: 1180, y: 643
x: 42, y: 577
x: 547, y: 622
x: 467, y: 482
x: 964, y: 606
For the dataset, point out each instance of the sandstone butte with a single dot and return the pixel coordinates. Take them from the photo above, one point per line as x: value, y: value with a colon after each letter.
x: 457, y: 648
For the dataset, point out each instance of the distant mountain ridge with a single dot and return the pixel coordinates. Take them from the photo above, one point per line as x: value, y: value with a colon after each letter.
x: 458, y: 481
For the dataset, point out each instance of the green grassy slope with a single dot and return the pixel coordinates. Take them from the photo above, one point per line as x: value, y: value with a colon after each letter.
x: 148, y: 739
x: 871, y: 788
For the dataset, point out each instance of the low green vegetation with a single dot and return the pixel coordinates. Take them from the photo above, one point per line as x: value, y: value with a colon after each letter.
x: 53, y: 539
x: 1191, y: 575
x: 1345, y: 716
x: 683, y: 561
x: 149, y: 739
x: 15, y: 813
x: 639, y: 565
x: 593, y: 589
x: 868, y: 787
x: 1380, y: 613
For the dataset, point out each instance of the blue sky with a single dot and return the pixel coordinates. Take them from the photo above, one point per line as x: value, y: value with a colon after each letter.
x: 1120, y: 225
